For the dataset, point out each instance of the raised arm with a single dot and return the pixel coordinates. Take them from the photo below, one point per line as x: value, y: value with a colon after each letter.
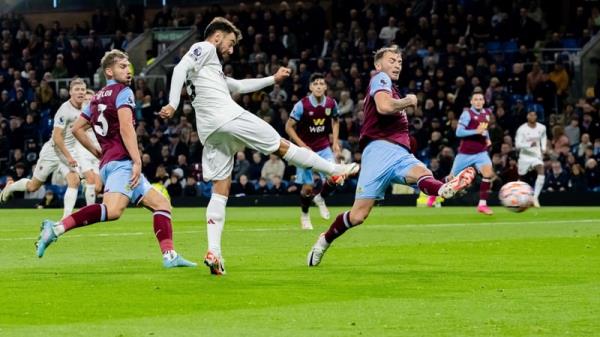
x: 387, y: 105
x: 178, y: 80
x: 194, y: 59
x: 255, y: 84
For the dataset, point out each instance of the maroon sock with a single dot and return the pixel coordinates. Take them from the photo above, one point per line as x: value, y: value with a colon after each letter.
x: 484, y: 189
x: 305, y: 202
x: 163, y: 230
x: 327, y: 189
x: 85, y: 216
x: 429, y: 185
x: 340, y: 225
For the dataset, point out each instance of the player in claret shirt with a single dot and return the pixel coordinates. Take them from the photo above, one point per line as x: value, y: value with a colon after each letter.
x: 472, y: 151
x: 111, y: 116
x: 386, y: 156
x: 307, y: 127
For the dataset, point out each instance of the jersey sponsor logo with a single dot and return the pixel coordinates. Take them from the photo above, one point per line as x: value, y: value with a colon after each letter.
x: 319, y: 121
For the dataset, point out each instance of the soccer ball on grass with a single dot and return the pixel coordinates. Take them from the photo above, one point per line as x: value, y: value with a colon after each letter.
x: 517, y: 196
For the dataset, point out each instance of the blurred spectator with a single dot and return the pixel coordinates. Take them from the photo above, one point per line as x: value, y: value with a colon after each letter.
x: 572, y: 131
x: 592, y: 175
x: 241, y: 166
x: 272, y: 167
x: 557, y: 180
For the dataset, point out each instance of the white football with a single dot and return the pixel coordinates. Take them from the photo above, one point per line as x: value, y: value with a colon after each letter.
x: 517, y: 196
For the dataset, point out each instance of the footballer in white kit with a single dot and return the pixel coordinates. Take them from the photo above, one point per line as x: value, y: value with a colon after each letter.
x: 59, y: 153
x: 225, y: 128
x: 89, y: 165
x: 531, y: 142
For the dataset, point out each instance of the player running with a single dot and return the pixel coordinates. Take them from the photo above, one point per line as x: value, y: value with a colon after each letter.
x: 88, y: 163
x: 225, y: 127
x: 386, y: 158
x: 472, y: 151
x: 531, y: 142
x: 110, y: 114
x: 307, y: 127
x: 59, y: 153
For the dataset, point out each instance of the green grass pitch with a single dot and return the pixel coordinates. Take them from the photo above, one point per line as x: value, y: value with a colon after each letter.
x: 405, y: 272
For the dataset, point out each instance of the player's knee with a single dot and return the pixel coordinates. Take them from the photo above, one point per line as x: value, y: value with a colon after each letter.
x: 114, y: 212
x: 164, y: 205
x: 33, y: 186
x: 306, y: 191
x: 358, y: 217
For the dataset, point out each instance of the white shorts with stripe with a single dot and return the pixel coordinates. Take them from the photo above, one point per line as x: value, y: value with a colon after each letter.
x: 246, y: 130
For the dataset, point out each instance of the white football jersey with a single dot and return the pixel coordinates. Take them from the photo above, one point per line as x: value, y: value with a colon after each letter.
x: 527, y: 135
x: 207, y: 86
x: 92, y: 137
x: 66, y: 115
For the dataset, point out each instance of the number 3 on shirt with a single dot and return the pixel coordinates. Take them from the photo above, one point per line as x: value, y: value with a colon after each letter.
x: 101, y: 125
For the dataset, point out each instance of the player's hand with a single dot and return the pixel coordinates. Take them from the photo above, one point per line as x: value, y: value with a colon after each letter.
x: 281, y: 74
x: 411, y: 100
x: 72, y: 162
x: 482, y: 128
x: 166, y: 111
x: 136, y: 171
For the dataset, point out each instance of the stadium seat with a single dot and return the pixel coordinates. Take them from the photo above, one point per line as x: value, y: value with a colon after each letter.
x: 510, y: 47
x: 569, y: 43
x: 494, y: 46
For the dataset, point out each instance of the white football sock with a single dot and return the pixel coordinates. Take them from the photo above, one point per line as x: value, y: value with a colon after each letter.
x: 539, y: 184
x: 215, y: 220
x: 303, y: 157
x: 69, y: 200
x: 482, y: 202
x: 90, y: 194
x: 18, y: 186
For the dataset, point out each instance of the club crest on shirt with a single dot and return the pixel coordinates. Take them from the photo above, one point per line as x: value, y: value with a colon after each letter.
x: 310, y: 113
x: 327, y: 111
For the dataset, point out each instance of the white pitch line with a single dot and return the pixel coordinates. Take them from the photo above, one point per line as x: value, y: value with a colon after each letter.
x: 293, y: 229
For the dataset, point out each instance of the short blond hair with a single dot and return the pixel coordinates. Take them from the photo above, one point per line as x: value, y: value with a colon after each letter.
x: 77, y: 81
x: 111, y: 57
x: 90, y: 92
x: 381, y: 51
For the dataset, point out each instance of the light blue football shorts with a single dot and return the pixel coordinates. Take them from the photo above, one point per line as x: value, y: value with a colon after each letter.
x: 116, y: 175
x: 382, y: 164
x: 462, y: 161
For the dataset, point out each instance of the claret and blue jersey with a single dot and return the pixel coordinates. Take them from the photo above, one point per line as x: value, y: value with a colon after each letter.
x: 116, y: 165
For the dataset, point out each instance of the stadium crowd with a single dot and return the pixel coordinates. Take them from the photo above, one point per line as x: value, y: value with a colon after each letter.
x: 449, y: 50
